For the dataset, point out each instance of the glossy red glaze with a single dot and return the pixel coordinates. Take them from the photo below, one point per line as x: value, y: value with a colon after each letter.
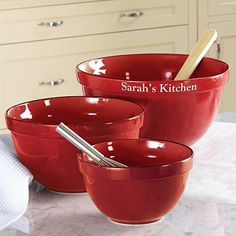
x: 145, y: 191
x: 179, y: 111
x: 52, y: 159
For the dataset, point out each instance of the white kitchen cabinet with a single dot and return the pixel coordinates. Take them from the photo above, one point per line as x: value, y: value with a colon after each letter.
x: 41, y: 42
x: 25, y: 68
x: 221, y: 15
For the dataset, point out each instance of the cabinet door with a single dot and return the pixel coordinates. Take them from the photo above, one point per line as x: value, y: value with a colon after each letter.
x: 23, y: 67
x: 220, y: 14
x: 225, y: 50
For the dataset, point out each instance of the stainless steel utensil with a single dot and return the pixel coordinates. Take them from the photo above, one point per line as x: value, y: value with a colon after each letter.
x: 84, y: 146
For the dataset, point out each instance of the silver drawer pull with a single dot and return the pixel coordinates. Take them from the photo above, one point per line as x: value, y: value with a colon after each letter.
x: 132, y: 14
x: 51, y: 23
x: 218, y: 50
x: 52, y: 83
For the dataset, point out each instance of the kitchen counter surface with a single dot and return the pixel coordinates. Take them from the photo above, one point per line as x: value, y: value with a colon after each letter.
x: 52, y: 214
x: 207, y: 208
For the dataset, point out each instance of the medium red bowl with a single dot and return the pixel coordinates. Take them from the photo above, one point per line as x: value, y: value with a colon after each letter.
x: 179, y: 111
x: 53, y: 160
x: 145, y: 191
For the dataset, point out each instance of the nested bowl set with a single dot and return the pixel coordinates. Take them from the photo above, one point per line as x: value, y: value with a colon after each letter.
x: 133, y: 111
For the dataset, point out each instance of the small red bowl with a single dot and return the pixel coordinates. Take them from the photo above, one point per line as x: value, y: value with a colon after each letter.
x: 179, y: 111
x: 145, y: 191
x: 53, y: 160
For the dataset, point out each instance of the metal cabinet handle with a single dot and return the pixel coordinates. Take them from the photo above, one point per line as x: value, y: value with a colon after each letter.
x: 218, y: 50
x: 51, y: 23
x: 132, y: 14
x: 52, y: 83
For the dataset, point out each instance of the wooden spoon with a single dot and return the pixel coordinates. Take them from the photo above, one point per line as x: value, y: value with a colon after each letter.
x: 201, y: 48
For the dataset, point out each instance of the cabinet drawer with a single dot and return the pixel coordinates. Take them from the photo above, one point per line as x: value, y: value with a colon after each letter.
x: 221, y: 7
x: 16, y: 4
x: 32, y: 24
x: 24, y: 66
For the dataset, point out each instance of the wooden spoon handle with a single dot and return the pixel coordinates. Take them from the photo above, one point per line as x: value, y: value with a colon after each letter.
x: 199, y: 51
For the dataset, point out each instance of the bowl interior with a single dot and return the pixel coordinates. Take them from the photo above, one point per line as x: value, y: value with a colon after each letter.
x: 143, y: 153
x: 149, y: 67
x: 74, y: 110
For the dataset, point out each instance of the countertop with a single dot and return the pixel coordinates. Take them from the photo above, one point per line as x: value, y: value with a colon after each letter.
x: 52, y: 214
x: 207, y: 208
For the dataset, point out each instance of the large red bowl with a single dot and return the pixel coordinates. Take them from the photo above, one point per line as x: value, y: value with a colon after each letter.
x: 145, y: 191
x: 178, y: 111
x: 52, y: 159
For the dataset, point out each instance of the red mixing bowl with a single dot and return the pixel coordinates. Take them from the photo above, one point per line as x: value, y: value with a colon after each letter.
x: 53, y: 160
x: 179, y: 111
x: 145, y: 191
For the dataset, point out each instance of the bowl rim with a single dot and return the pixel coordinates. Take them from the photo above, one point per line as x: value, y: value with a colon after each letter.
x: 142, y: 139
x: 195, y: 79
x: 165, y: 170
x: 84, y: 124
